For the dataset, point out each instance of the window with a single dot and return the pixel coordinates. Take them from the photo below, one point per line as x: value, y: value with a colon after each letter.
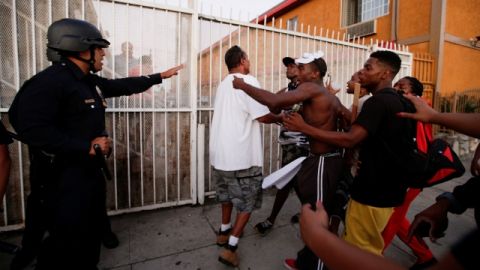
x: 355, y: 11
x: 292, y: 23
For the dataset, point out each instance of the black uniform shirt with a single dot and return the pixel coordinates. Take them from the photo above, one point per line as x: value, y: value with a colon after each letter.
x: 60, y: 110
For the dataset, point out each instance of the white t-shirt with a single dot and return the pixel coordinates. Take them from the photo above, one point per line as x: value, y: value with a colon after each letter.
x: 360, y: 103
x: 235, y: 137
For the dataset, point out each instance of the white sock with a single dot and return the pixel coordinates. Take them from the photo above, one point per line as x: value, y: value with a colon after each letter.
x: 233, y: 241
x: 225, y: 227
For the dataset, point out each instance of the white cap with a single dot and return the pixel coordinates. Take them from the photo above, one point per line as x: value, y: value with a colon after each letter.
x: 309, y: 57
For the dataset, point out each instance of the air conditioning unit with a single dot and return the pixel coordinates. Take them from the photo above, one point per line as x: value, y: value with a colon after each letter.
x: 362, y: 29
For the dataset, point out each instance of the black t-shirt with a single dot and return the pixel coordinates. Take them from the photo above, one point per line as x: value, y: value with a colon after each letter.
x: 377, y: 184
x: 4, y: 136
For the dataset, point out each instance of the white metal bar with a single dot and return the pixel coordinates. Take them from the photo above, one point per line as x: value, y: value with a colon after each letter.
x: 34, y: 41
x: 141, y: 116
x: 279, y: 67
x: 17, y: 86
x: 83, y: 10
x: 201, y: 163
x: 66, y: 10
x: 230, y: 34
x: 49, y: 2
x: 210, y: 78
x: 256, y: 50
x: 154, y: 156
x: 248, y: 41
x: 195, y: 180
x: 178, y: 105
x: 114, y: 115
x: 272, y: 49
x: 264, y: 74
x: 151, y: 4
x: 127, y: 116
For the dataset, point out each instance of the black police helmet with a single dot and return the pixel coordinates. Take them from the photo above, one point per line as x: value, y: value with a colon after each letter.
x: 71, y: 35
x: 53, y: 56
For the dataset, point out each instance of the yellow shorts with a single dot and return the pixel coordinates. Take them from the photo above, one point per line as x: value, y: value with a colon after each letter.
x: 364, y: 226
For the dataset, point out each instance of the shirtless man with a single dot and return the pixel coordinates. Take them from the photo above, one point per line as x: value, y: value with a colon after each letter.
x: 317, y: 178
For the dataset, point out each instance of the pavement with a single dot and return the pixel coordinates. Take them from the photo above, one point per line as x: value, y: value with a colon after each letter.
x: 184, y: 237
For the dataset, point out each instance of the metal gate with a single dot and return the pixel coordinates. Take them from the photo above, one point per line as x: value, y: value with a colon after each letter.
x: 160, y: 136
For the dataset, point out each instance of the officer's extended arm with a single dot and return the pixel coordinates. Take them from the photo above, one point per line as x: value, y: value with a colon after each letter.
x: 132, y: 85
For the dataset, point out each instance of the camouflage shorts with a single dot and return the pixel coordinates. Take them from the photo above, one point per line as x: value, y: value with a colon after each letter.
x: 242, y: 188
x: 290, y: 152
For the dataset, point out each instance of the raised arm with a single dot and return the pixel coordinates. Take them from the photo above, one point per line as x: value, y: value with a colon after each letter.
x: 466, y: 123
x: 275, y: 102
x: 270, y: 118
x: 133, y: 85
x: 295, y: 122
x: 333, y: 251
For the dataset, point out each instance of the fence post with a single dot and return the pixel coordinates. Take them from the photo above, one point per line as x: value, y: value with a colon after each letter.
x: 194, y: 49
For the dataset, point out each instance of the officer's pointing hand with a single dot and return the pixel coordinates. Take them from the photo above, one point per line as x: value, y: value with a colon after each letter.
x: 171, y: 72
x: 104, y: 143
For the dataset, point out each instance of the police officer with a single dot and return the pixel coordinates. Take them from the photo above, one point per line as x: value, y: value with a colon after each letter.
x: 60, y: 114
x: 35, y: 223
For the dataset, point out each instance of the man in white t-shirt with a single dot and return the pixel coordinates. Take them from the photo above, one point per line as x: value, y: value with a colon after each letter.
x: 236, y: 152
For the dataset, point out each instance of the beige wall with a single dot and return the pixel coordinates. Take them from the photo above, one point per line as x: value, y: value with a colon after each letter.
x: 460, y: 68
x: 319, y: 13
x: 463, y: 18
x: 420, y: 47
x: 414, y: 18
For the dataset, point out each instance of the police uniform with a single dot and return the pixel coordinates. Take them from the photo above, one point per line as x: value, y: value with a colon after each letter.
x: 58, y: 113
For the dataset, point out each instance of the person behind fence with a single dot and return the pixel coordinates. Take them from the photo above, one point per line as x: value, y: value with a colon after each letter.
x: 375, y: 190
x: 319, y: 173
x: 294, y: 145
x: 338, y: 254
x: 125, y: 61
x: 236, y: 152
x: 60, y: 114
x: 398, y: 223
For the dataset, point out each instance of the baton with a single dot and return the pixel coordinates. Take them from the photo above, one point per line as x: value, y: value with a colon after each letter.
x: 102, y: 162
x: 8, y: 248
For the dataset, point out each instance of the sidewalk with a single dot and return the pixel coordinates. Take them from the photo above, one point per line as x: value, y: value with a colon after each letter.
x: 184, y: 237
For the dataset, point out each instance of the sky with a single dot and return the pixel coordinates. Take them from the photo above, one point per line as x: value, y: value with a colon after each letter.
x: 244, y: 10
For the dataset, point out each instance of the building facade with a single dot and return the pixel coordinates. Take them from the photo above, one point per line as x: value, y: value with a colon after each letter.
x: 445, y: 29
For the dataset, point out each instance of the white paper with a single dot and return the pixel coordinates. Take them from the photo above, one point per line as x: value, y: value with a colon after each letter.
x: 281, y: 177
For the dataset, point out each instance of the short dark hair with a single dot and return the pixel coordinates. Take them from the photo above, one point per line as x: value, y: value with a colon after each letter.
x: 389, y: 58
x: 321, y: 66
x: 234, y: 56
x: 417, y: 86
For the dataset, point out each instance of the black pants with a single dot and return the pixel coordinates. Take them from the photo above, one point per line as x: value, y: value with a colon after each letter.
x: 75, y: 209
x: 312, y: 184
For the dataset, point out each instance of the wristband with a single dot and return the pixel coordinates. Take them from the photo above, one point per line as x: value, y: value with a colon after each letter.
x: 455, y: 206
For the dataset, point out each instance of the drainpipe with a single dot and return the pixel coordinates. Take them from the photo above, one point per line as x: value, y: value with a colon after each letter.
x: 437, y: 38
x: 395, y: 19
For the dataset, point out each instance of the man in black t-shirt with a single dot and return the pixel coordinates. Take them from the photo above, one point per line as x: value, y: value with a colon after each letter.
x: 5, y: 161
x: 375, y: 190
